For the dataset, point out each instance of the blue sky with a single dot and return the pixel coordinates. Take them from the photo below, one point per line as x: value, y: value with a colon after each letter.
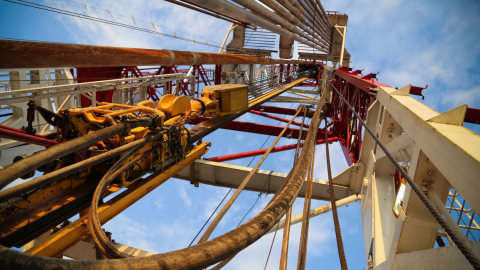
x: 408, y: 42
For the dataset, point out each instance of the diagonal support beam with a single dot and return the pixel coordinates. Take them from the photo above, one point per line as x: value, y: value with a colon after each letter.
x: 260, y: 128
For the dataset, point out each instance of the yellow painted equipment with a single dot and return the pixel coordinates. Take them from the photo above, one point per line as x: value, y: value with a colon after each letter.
x: 233, y: 97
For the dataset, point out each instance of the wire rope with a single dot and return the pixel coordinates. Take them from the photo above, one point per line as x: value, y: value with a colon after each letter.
x: 81, y: 16
x: 472, y: 259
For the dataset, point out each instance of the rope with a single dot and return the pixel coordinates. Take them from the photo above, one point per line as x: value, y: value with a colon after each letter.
x: 338, y: 233
x: 472, y: 259
x: 302, y: 253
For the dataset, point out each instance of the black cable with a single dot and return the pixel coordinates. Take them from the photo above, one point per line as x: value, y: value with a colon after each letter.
x: 259, y: 194
x: 472, y: 259
x: 210, y: 217
x: 78, y: 15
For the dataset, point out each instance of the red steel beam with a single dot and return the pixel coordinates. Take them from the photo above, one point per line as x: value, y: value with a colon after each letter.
x: 278, y: 118
x: 262, y: 151
x: 17, y: 134
x: 260, y: 128
x: 364, y: 83
x: 280, y: 110
x: 472, y: 116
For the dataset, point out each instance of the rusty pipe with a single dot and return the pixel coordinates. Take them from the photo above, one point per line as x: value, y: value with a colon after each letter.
x: 312, y: 13
x: 283, y: 13
x: 262, y: 11
x: 298, y: 11
x: 201, y: 255
x: 26, y: 54
x: 323, y: 15
x: 226, y: 8
x: 301, y: 6
x: 318, y: 211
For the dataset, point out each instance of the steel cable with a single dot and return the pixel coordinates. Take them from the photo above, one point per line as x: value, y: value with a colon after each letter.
x: 78, y: 15
x: 466, y: 251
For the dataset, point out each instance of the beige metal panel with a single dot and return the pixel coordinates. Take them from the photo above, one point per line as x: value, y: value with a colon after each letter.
x: 455, y: 150
x: 444, y: 258
x: 226, y: 175
x: 363, y: 181
x: 344, y: 178
x: 402, y: 142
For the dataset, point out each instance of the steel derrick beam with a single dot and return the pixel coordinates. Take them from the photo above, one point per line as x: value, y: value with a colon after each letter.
x: 261, y: 151
x: 279, y: 110
x: 201, y: 255
x: 25, y: 54
x: 230, y: 176
x: 260, y: 128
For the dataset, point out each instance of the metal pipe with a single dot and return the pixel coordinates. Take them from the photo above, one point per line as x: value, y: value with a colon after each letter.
x: 25, y: 54
x: 282, y: 12
x: 262, y: 11
x: 277, y: 118
x: 318, y: 211
x: 9, y: 134
x: 226, y: 8
x: 261, y: 151
x: 228, y: 19
x: 299, y: 12
x: 17, y: 169
x: 314, y: 14
x: 198, y: 256
x: 65, y: 171
x: 57, y: 243
x: 323, y: 15
x: 303, y: 8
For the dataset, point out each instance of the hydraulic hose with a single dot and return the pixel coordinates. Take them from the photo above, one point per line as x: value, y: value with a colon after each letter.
x: 94, y: 224
x: 17, y: 169
x: 45, y: 179
x: 201, y: 255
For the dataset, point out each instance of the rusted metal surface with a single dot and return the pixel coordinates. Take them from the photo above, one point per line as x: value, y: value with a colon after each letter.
x: 282, y: 12
x: 264, y: 12
x: 199, y: 256
x: 24, y: 54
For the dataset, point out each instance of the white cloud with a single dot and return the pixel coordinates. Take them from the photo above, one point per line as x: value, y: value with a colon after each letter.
x: 182, y: 191
x: 159, y: 204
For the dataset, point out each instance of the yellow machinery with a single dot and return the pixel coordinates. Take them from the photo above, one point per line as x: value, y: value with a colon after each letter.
x: 169, y: 117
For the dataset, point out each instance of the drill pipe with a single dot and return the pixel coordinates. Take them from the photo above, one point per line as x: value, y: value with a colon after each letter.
x: 283, y: 13
x: 311, y: 11
x: 226, y: 8
x: 323, y: 15
x: 297, y: 10
x: 198, y: 256
x: 25, y: 54
x: 262, y: 11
